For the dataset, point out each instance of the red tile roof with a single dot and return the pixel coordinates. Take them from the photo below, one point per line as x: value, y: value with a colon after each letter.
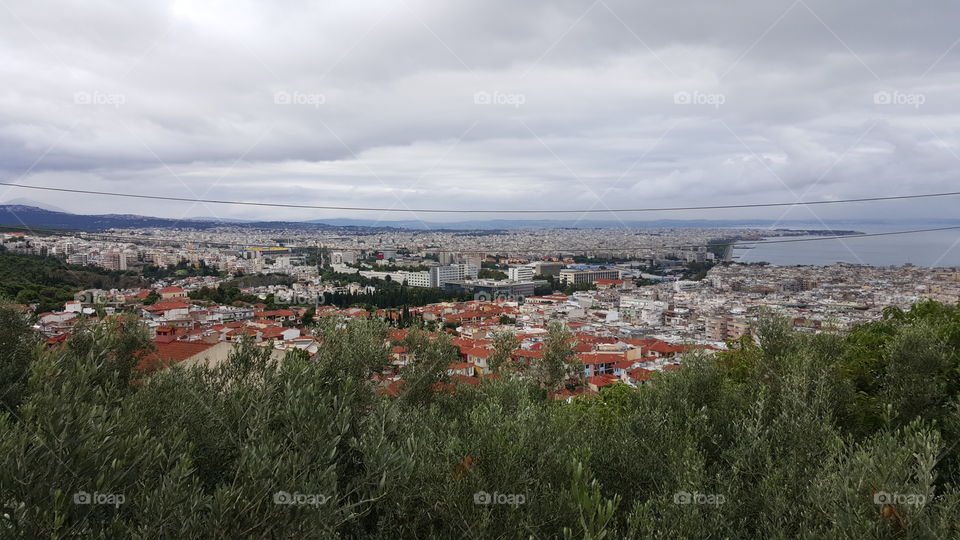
x: 166, y: 306
x: 599, y: 358
x: 170, y: 290
x: 170, y: 353
x: 602, y: 380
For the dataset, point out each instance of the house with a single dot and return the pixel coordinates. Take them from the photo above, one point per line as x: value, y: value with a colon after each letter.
x: 597, y: 382
x: 280, y: 333
x: 167, y: 353
x: 598, y: 363
x: 171, y: 293
x: 476, y: 356
x: 465, y: 369
x: 278, y: 315
x: 167, y: 310
x: 637, y: 377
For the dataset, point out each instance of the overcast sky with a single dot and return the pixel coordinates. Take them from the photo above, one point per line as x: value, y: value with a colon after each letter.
x: 481, y: 105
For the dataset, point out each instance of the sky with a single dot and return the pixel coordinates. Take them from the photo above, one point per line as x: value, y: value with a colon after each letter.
x: 408, y: 104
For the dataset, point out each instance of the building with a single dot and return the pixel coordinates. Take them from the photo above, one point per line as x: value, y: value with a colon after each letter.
x: 440, y: 275
x: 171, y: 293
x: 642, y: 310
x: 520, y: 273
x: 569, y: 276
x: 545, y: 268
x: 79, y: 258
x: 115, y: 260
x: 723, y: 328
x: 343, y: 257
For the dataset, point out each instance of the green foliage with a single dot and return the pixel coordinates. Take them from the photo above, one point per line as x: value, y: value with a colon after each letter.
x: 49, y: 282
x: 16, y: 347
x: 433, y: 353
x: 504, y: 343
x: 559, y: 365
x: 181, y: 269
x: 797, y: 436
x: 490, y: 273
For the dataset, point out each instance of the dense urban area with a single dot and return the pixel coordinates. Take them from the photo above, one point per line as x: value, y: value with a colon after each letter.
x: 637, y: 300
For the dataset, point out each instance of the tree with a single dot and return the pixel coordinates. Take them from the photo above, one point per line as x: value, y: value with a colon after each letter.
x: 308, y: 317
x: 432, y: 356
x: 489, y: 273
x: 559, y: 363
x: 504, y: 344
x: 16, y: 348
x: 844, y: 435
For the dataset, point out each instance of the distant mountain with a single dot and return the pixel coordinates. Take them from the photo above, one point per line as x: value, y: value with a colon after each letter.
x: 18, y: 215
x: 21, y: 201
x: 513, y: 224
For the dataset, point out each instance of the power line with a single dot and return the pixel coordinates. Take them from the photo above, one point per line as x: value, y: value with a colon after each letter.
x: 134, y: 239
x: 474, y: 211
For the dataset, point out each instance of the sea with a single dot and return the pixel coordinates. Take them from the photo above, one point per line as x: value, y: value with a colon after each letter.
x: 930, y: 249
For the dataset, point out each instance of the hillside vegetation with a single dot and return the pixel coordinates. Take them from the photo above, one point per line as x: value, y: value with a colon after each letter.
x: 809, y: 436
x: 48, y: 281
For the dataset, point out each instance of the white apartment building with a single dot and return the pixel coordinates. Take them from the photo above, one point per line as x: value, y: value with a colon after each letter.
x: 520, y: 273
x: 439, y: 275
x: 570, y: 276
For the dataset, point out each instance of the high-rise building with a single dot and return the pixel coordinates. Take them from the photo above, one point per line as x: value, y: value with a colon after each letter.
x: 115, y: 260
x: 520, y: 273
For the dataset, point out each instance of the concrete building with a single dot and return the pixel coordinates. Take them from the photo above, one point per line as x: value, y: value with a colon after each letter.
x: 545, y: 268
x: 520, y: 273
x: 569, y: 276
x: 440, y: 275
x: 723, y: 328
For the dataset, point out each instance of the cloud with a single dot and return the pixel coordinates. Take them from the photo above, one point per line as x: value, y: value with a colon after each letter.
x: 479, y: 105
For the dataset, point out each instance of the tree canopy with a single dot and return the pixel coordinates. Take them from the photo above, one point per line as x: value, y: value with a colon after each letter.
x: 850, y: 435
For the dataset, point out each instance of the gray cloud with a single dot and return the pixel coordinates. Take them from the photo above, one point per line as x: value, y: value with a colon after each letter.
x: 480, y: 105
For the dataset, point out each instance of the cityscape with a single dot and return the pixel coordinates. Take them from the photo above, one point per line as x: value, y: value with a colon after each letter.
x: 402, y: 269
x: 680, y: 294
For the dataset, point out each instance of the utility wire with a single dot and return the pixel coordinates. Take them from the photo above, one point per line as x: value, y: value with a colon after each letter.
x: 474, y: 211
